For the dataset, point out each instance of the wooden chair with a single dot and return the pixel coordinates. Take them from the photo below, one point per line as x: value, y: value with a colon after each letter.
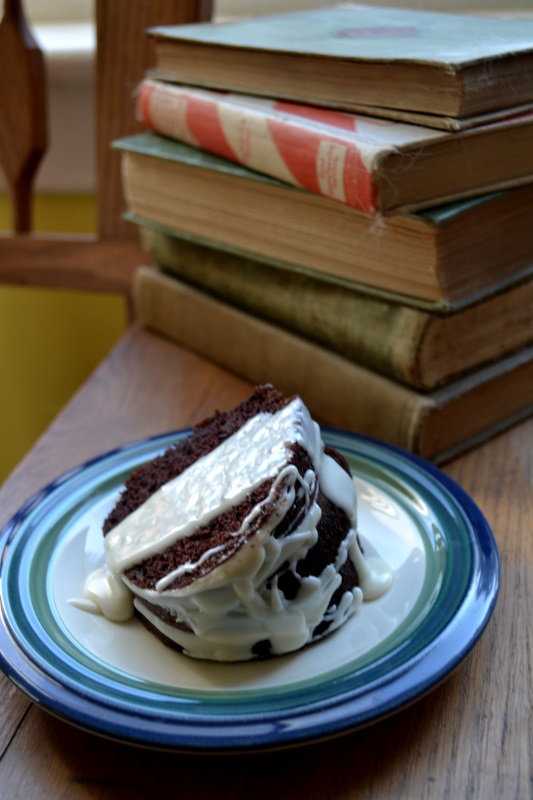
x: 106, y: 261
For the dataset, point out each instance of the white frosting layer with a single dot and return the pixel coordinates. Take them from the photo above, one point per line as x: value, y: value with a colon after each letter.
x: 212, y: 485
x: 239, y: 604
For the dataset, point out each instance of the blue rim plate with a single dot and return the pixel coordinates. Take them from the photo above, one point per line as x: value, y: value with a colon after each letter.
x: 119, y: 681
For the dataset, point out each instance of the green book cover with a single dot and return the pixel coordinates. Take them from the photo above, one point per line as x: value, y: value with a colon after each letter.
x: 351, y: 31
x: 389, y: 255
x: 352, y: 56
x: 417, y: 347
x: 156, y: 146
x: 436, y: 425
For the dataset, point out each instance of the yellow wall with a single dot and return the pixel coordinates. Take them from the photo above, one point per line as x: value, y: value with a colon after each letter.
x: 50, y: 340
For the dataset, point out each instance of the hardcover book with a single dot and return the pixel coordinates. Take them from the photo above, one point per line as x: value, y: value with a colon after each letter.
x: 446, y: 255
x: 372, y: 164
x: 415, y: 346
x: 355, y: 56
x: 436, y: 425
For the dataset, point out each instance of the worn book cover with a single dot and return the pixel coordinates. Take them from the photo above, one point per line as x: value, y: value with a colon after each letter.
x: 445, y: 256
x: 441, y: 64
x: 418, y: 347
x: 372, y: 164
x: 436, y: 425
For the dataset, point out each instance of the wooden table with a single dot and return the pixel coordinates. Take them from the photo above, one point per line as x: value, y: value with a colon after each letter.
x: 471, y: 737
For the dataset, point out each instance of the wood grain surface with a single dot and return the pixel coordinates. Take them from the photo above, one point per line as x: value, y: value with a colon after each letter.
x: 82, y: 263
x: 471, y: 737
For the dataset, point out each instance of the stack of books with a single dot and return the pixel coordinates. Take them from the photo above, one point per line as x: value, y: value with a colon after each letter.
x: 340, y: 201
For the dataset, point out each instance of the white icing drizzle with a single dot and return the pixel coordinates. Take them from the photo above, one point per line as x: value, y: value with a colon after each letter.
x: 106, y: 593
x: 239, y: 604
x: 241, y: 463
x: 290, y: 475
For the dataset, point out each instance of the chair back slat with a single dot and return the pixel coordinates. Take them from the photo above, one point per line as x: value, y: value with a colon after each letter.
x: 23, y: 113
x: 124, y: 54
x: 106, y: 261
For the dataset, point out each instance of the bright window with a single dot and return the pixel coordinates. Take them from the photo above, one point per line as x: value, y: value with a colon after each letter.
x: 40, y: 11
x: 43, y: 11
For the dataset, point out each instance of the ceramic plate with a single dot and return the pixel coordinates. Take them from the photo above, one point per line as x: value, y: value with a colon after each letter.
x: 119, y: 681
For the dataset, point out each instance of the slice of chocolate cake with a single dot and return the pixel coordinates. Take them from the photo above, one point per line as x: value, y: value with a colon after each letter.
x: 239, y: 541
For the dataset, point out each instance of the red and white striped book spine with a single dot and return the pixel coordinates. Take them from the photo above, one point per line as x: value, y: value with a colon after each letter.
x: 317, y: 149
